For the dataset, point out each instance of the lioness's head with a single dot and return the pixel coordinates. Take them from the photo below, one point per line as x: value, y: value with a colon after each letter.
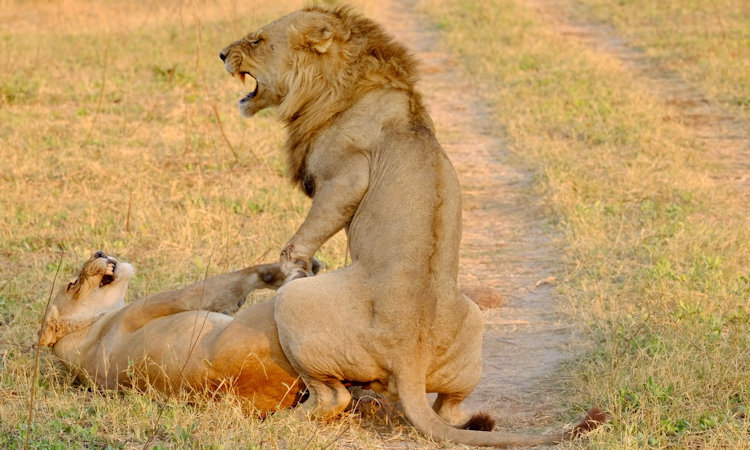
x: 285, y: 58
x: 99, y: 287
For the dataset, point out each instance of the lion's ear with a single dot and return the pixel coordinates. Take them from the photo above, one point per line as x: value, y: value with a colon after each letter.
x: 316, y: 33
x: 322, y: 41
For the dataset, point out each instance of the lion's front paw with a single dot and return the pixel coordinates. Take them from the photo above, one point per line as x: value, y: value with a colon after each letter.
x: 296, y: 264
x: 293, y: 270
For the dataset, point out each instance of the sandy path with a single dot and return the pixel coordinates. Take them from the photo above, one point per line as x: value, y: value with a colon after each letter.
x: 505, y: 244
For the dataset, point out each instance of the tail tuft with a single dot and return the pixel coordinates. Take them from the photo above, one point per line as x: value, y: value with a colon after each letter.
x: 480, y: 421
x: 594, y: 417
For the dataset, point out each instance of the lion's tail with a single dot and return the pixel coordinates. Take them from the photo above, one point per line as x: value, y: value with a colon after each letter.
x: 427, y: 422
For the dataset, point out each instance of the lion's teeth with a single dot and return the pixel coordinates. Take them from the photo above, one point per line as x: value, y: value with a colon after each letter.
x: 250, y: 83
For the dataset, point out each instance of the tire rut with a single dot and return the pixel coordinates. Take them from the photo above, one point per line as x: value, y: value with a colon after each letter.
x: 725, y: 136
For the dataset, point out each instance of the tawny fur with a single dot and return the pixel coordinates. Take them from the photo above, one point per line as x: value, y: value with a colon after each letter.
x: 362, y: 145
x: 320, y: 90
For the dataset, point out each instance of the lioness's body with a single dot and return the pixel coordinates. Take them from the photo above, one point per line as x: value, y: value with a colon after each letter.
x: 362, y: 146
x: 174, y: 341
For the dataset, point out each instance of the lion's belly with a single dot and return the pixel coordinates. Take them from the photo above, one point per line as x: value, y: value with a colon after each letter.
x: 379, y: 315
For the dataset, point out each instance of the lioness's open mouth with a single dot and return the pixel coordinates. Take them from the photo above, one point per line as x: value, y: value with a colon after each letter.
x: 109, y: 274
x: 249, y: 82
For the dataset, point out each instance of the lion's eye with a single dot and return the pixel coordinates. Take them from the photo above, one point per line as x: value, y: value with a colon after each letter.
x: 254, y: 43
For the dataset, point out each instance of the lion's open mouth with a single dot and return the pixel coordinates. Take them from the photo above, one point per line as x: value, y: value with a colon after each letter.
x: 249, y: 82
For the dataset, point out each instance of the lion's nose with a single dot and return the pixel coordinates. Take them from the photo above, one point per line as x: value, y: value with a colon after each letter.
x: 99, y: 254
x: 222, y: 55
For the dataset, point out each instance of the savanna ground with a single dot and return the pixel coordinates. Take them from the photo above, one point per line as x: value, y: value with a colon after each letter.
x: 118, y: 131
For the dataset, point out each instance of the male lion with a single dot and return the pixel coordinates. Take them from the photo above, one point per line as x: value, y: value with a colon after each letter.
x: 175, y: 341
x: 362, y: 146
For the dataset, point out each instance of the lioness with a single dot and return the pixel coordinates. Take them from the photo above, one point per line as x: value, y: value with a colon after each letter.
x: 362, y: 146
x: 175, y: 341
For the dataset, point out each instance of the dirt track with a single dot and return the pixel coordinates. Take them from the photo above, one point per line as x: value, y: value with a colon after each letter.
x: 506, y: 244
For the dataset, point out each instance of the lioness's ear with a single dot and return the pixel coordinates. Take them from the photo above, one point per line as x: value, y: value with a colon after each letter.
x: 316, y: 33
x: 48, y: 332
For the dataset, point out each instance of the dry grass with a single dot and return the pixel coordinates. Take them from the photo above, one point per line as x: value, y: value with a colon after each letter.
x: 705, y: 42
x: 118, y: 131
x: 658, y: 239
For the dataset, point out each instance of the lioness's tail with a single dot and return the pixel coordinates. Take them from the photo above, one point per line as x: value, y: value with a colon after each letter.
x: 427, y: 422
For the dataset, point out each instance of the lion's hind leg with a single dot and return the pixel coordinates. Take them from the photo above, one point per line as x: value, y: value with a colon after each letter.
x: 326, y: 400
x: 322, y: 325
